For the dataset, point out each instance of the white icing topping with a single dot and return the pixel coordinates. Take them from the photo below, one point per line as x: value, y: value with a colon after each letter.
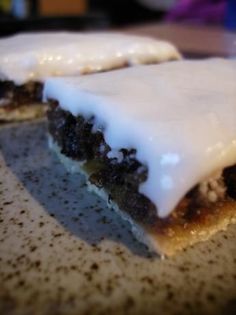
x: 180, y: 116
x: 37, y: 56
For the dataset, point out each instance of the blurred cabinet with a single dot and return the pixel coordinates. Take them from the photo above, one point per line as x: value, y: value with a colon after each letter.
x: 5, y: 5
x: 61, y: 7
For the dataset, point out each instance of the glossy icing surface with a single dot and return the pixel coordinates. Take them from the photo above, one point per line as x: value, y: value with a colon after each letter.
x: 36, y: 56
x: 179, y: 116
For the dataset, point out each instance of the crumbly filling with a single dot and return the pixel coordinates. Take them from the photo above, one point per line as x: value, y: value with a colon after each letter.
x: 213, y: 189
x: 120, y: 174
x: 12, y: 96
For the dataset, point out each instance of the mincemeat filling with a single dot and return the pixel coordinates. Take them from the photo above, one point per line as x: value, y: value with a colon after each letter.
x: 12, y: 96
x: 121, y: 178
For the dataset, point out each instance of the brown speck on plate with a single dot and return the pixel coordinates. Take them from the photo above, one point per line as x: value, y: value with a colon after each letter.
x: 62, y: 251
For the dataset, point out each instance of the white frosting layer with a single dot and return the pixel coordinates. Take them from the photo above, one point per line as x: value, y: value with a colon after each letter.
x: 37, y: 56
x: 180, y: 116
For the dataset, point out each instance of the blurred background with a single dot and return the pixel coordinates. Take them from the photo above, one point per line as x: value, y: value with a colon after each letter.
x: 36, y: 15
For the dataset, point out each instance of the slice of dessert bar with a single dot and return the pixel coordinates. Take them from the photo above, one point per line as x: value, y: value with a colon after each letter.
x: 157, y: 142
x: 26, y: 60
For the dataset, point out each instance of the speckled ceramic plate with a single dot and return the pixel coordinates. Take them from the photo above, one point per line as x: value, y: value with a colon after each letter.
x: 63, y: 252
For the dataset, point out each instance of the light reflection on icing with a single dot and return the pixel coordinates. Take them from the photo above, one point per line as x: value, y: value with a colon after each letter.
x: 38, y: 56
x: 170, y: 158
x: 180, y: 116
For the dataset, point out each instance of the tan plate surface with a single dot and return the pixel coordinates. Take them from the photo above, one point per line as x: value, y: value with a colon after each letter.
x: 63, y: 252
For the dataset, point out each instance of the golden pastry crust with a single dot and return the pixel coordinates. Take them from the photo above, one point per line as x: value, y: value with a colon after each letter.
x: 178, y: 237
x: 179, y: 230
x: 23, y: 112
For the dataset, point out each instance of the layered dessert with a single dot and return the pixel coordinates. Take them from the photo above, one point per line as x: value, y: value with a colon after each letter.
x: 26, y: 60
x: 157, y: 142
